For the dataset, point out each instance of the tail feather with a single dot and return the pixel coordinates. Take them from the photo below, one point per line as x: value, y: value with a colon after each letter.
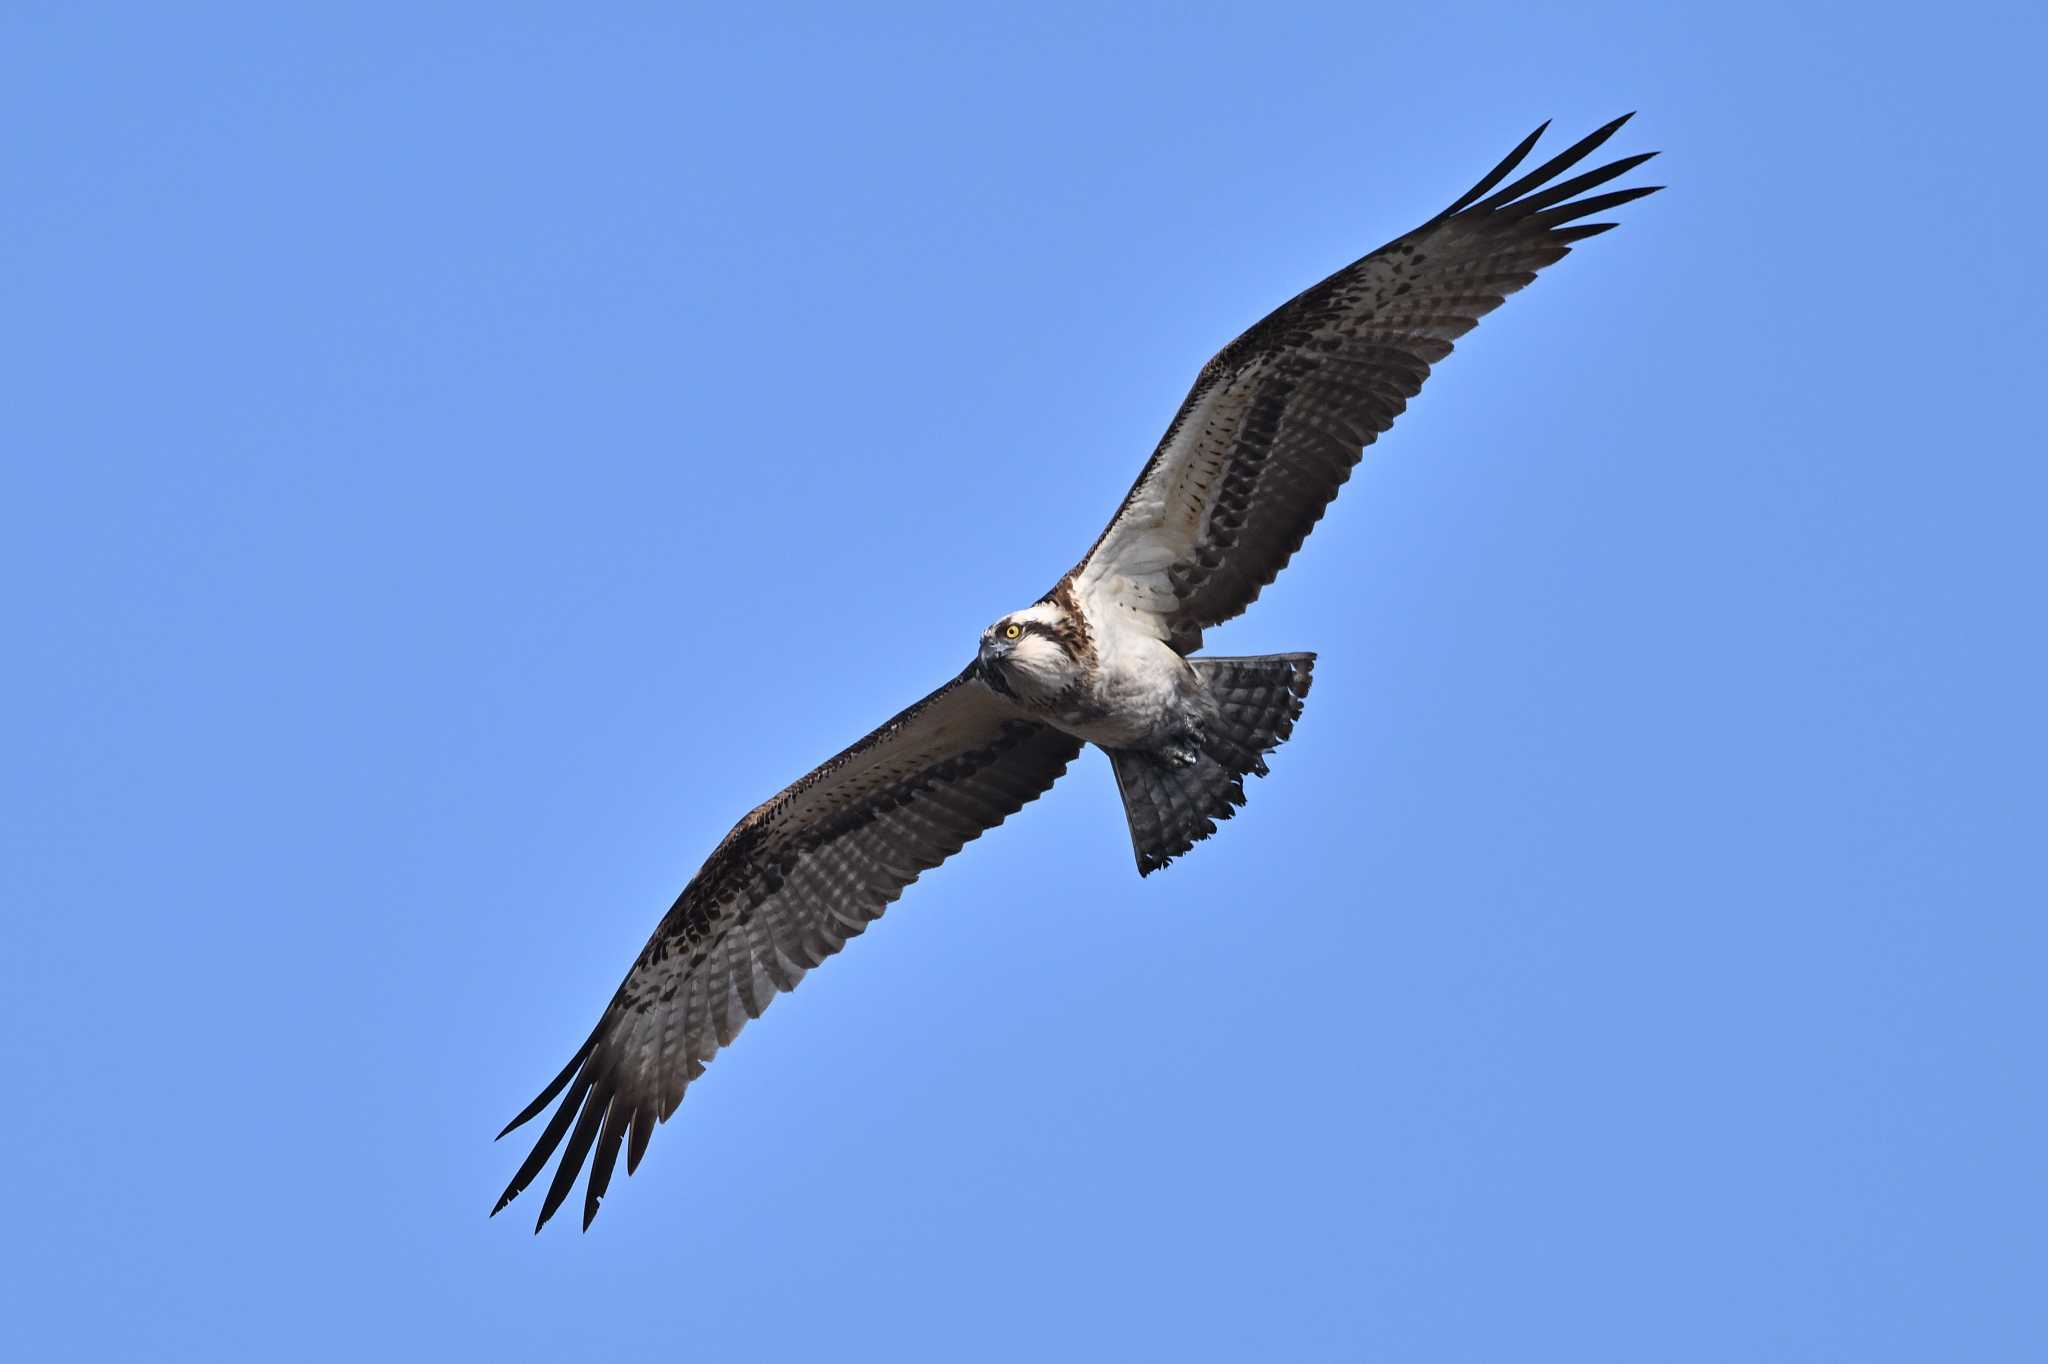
x: 1173, y: 808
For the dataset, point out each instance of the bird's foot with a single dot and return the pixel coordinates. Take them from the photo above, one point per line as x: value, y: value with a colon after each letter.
x: 1182, y: 750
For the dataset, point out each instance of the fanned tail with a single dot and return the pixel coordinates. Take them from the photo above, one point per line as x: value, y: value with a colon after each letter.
x: 1173, y: 808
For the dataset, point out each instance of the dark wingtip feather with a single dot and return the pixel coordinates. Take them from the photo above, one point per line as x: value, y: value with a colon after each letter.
x: 532, y: 1110
x: 636, y: 1144
x: 1609, y: 128
x: 1569, y: 157
x: 573, y: 1154
x: 555, y: 1086
x: 1582, y: 231
x: 525, y: 1116
x: 1498, y: 173
x: 617, y: 1117
x: 1598, y: 203
x: 544, y: 1145
x: 1567, y: 189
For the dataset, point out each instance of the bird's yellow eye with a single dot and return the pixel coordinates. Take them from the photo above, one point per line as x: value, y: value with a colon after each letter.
x: 1012, y: 631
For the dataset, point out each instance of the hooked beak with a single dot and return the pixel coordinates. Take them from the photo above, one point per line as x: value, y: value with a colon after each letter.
x: 993, y: 651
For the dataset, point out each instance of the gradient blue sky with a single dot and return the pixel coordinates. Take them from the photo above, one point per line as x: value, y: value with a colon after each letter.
x: 457, y: 460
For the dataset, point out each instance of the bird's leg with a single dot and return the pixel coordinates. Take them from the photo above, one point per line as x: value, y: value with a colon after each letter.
x: 1183, y: 748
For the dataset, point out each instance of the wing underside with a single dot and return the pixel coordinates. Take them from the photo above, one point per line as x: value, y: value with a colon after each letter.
x: 789, y: 886
x: 1275, y: 423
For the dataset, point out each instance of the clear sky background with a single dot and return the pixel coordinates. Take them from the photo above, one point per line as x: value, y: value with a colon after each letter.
x: 457, y: 460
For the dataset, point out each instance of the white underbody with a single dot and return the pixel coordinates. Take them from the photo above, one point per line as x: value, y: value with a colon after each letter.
x: 1139, y: 693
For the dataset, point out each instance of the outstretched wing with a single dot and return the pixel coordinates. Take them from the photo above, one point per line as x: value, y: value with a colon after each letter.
x: 785, y: 890
x: 1275, y: 423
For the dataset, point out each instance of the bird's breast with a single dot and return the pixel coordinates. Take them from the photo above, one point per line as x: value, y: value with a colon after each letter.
x: 1132, y: 696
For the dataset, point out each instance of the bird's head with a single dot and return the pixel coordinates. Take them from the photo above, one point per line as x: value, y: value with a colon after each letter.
x: 1034, y: 652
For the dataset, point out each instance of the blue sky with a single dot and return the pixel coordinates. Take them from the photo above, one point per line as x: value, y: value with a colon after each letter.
x: 457, y: 460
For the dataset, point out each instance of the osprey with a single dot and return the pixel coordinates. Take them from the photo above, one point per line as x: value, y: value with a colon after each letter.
x: 1270, y: 431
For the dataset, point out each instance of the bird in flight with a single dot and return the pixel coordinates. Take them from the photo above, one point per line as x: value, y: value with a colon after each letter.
x: 1270, y: 431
